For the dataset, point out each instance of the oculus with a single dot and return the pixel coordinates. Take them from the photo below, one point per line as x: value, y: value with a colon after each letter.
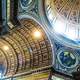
x: 67, y: 59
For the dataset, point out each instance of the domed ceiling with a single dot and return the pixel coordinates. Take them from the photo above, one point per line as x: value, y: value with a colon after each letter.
x: 64, y: 17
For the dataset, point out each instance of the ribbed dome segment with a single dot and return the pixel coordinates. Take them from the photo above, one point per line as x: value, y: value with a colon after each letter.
x: 69, y: 9
x: 64, y: 17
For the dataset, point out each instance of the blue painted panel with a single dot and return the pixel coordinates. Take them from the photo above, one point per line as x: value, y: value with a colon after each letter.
x: 25, y: 3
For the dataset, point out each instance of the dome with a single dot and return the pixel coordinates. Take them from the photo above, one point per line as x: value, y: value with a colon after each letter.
x: 68, y: 9
x: 64, y: 18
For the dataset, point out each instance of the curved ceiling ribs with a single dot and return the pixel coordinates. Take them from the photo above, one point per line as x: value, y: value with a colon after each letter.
x: 64, y: 19
x: 22, y: 52
x: 27, y: 47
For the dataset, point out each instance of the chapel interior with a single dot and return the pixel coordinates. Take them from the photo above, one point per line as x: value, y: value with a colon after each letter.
x: 39, y: 39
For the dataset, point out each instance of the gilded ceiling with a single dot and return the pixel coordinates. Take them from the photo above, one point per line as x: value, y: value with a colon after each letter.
x: 24, y: 50
x: 40, y: 34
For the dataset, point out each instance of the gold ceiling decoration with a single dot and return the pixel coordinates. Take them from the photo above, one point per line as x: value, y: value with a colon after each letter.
x: 22, y: 52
